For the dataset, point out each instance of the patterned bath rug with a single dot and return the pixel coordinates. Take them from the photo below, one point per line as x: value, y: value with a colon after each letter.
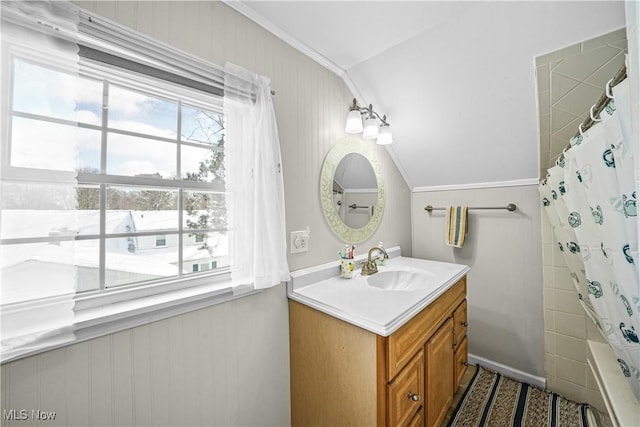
x: 498, y: 401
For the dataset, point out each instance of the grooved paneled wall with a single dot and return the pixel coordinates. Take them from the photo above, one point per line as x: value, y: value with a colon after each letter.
x: 227, y: 364
x: 504, y: 286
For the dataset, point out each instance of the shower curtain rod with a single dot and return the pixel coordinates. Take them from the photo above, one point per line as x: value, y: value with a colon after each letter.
x: 510, y: 207
x: 603, y: 101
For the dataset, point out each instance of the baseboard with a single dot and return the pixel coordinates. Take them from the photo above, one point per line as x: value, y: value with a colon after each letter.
x: 508, y: 371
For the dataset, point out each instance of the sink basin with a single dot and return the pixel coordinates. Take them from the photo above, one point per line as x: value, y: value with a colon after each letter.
x: 401, y: 280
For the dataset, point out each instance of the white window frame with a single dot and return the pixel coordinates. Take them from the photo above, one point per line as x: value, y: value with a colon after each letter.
x: 110, y: 310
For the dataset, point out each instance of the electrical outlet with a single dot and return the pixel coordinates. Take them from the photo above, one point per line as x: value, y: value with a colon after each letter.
x: 299, y: 241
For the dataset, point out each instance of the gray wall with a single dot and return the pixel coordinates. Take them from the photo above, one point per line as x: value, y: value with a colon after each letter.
x: 227, y: 364
x: 504, y: 286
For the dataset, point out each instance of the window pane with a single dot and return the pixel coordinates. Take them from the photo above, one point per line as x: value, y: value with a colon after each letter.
x: 199, y: 125
x: 137, y: 112
x: 43, y: 145
x: 40, y: 90
x: 88, y: 198
x: 132, y: 156
x: 26, y: 266
x: 203, y: 164
x: 43, y: 210
x: 204, y: 252
x: 127, y: 263
x: 47, y: 212
x: 204, y: 210
x: 87, y: 261
x: 134, y: 210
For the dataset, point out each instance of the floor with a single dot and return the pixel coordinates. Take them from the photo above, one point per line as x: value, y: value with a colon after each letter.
x: 601, y: 419
x: 464, y: 383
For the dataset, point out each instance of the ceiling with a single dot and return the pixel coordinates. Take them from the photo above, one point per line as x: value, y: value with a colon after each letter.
x: 455, y: 79
x: 350, y: 32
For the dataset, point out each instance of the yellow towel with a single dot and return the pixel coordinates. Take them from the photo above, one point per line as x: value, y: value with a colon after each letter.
x: 456, y: 226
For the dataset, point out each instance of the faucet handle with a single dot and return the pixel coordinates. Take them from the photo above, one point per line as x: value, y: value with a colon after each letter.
x: 369, y: 267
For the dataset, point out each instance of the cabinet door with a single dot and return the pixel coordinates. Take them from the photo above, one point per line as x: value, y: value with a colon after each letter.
x: 418, y: 420
x: 439, y: 373
x: 406, y: 393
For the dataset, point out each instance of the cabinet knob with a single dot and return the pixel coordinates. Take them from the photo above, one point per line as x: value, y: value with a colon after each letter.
x: 413, y: 396
x: 464, y: 324
x: 465, y: 363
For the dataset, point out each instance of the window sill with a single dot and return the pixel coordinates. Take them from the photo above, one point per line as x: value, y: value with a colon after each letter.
x: 95, y: 321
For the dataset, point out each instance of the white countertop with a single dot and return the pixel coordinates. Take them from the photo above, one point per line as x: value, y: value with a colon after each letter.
x: 376, y: 310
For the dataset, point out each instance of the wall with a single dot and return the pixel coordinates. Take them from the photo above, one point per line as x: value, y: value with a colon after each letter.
x: 504, y: 286
x: 227, y: 364
x: 481, y: 114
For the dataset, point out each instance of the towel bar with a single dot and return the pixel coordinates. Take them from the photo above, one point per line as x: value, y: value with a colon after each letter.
x: 354, y: 206
x: 510, y: 207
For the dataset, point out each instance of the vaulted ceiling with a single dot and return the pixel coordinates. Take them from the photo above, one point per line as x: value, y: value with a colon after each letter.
x: 456, y: 79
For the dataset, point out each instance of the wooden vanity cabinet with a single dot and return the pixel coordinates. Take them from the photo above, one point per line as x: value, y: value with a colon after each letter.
x: 343, y: 375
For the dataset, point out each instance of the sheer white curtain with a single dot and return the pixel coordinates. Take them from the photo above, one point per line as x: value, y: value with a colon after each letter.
x: 258, y: 250
x: 38, y: 272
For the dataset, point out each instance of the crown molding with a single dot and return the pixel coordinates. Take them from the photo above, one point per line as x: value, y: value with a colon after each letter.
x: 479, y: 185
x: 243, y: 9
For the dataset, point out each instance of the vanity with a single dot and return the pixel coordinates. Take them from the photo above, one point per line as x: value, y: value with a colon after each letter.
x: 387, y: 349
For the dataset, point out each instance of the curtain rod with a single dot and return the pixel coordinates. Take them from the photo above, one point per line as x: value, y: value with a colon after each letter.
x: 510, y: 207
x: 603, y: 101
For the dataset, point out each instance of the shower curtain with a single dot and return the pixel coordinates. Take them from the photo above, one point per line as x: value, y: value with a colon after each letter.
x: 590, y: 199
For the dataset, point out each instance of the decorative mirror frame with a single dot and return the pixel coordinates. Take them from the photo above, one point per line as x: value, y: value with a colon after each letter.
x: 340, y: 149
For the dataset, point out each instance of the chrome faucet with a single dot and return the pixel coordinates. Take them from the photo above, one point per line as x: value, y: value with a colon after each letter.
x: 369, y: 266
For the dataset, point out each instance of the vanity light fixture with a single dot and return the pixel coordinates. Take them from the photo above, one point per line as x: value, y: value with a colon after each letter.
x: 371, y: 128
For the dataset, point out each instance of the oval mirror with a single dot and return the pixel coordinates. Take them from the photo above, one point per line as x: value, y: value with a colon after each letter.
x: 352, y: 190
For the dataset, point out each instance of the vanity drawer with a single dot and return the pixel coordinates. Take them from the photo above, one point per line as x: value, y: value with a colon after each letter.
x: 405, y: 342
x: 460, y: 323
x: 406, y: 393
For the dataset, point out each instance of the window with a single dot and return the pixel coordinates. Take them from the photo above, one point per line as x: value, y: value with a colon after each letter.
x: 161, y: 240
x: 149, y: 159
x: 114, y: 179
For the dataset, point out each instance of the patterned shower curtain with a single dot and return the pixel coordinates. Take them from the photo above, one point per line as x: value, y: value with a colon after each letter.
x: 590, y: 199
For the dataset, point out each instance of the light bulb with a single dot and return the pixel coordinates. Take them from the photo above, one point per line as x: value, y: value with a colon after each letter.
x: 384, y: 135
x: 370, y: 128
x: 354, y: 122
